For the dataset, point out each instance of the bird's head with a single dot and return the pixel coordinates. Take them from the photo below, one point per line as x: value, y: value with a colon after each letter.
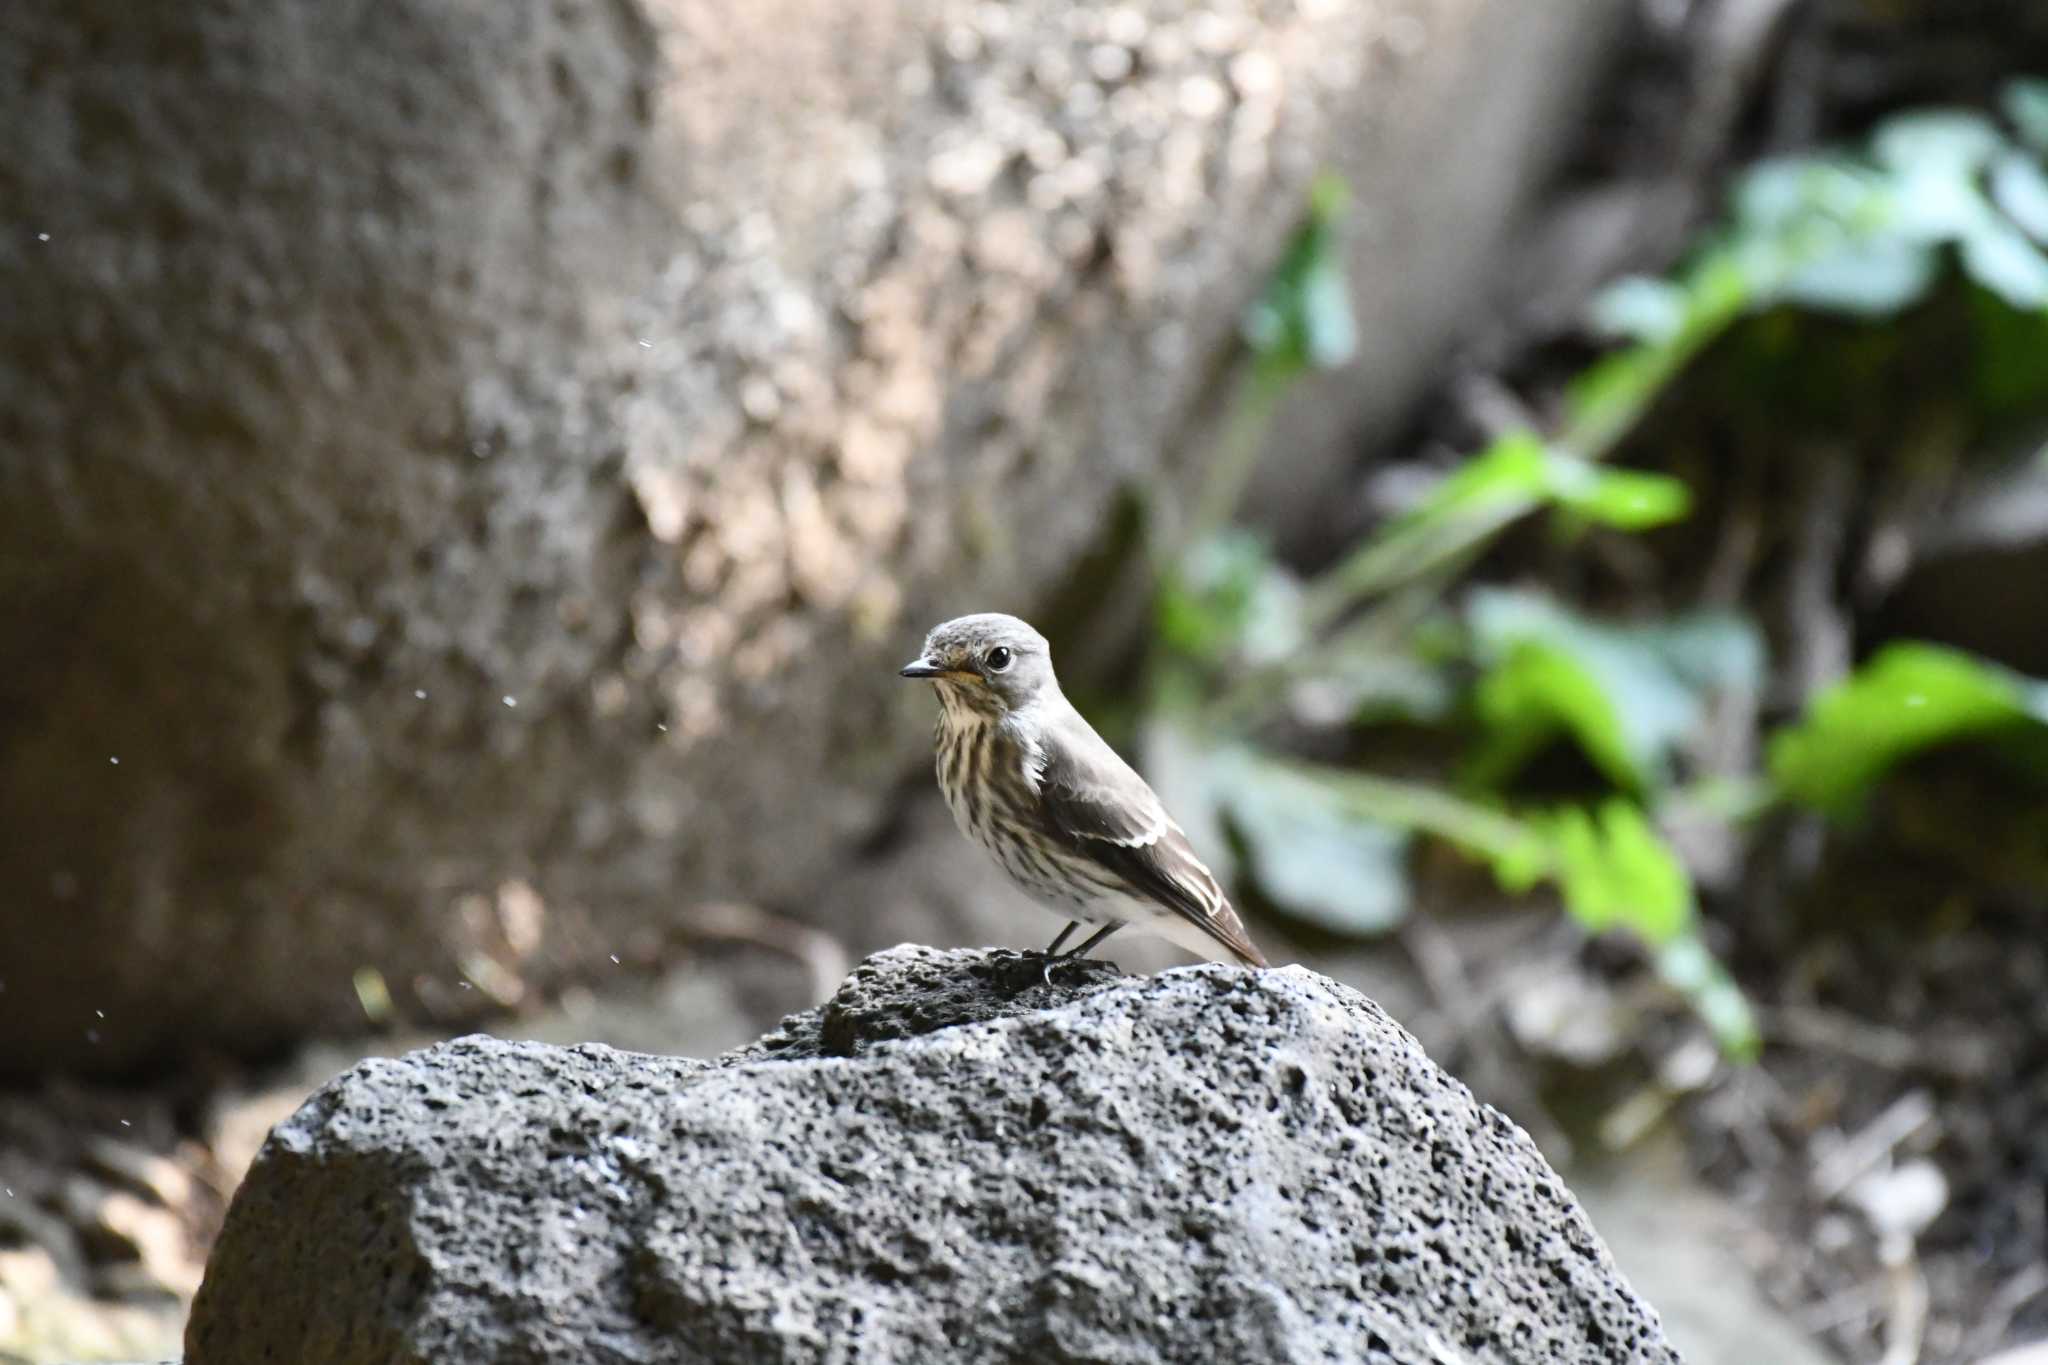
x: 990, y: 662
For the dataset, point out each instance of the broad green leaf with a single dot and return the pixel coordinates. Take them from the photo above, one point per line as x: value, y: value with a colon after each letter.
x: 2019, y: 186
x: 1537, y: 690
x: 2025, y: 103
x: 1909, y: 697
x: 1313, y: 858
x: 1626, y: 695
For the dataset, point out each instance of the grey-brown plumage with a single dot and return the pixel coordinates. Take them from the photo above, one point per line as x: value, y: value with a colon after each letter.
x: 1030, y: 781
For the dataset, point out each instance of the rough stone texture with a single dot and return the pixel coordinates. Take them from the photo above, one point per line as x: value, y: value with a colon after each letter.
x: 473, y: 465
x: 1210, y: 1164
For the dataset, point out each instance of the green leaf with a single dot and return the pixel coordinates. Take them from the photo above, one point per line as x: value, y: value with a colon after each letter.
x: 1868, y: 279
x: 1480, y: 830
x: 1507, y: 472
x: 1639, y: 309
x: 1909, y: 697
x: 1313, y: 858
x: 1616, y: 871
x: 2025, y: 103
x: 2019, y: 186
x: 1518, y: 468
x: 1230, y: 599
x: 1626, y: 695
x: 1626, y: 499
x: 2001, y: 259
x: 1949, y: 142
x: 1537, y: 690
x: 1303, y: 320
x: 1777, y: 197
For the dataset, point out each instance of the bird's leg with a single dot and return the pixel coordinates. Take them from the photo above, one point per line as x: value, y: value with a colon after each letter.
x: 1053, y: 957
x: 1100, y: 934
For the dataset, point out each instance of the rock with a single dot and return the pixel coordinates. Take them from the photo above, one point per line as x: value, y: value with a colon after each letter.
x: 467, y: 478
x: 949, y: 1160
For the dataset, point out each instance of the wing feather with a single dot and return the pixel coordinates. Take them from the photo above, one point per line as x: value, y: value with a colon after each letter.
x: 1097, y: 806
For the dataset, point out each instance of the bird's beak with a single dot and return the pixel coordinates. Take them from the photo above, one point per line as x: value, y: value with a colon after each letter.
x: 922, y: 668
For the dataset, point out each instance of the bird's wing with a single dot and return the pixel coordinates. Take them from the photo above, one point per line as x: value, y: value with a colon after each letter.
x: 1097, y: 806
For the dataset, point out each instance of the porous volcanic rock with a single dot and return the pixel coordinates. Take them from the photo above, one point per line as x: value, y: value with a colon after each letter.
x: 951, y: 1160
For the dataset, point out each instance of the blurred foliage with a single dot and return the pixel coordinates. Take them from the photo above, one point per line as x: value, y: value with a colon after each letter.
x: 1256, y: 664
x: 1303, y: 320
x: 1860, y: 233
x: 1627, y: 695
x: 1909, y: 697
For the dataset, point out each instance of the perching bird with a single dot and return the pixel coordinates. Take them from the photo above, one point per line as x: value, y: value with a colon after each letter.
x: 1030, y: 781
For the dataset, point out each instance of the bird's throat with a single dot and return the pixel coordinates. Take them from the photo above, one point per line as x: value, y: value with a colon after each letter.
x: 967, y: 703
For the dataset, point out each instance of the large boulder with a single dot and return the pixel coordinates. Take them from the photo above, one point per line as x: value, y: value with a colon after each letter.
x: 466, y: 469
x: 950, y: 1160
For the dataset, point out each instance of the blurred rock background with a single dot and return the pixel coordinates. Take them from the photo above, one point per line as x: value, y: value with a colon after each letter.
x: 471, y: 468
x: 468, y: 473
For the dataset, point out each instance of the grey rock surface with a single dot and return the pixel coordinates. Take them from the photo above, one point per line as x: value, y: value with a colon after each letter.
x: 465, y: 475
x: 949, y: 1161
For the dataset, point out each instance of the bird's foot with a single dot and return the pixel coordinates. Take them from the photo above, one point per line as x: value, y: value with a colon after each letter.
x: 1027, y: 970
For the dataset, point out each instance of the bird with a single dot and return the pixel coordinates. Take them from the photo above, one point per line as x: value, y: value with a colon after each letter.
x: 1030, y: 781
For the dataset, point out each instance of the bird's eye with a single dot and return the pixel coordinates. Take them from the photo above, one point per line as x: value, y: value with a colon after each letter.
x: 999, y: 658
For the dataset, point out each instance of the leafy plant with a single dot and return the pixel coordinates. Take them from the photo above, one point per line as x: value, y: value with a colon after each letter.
x: 1627, y: 695
x: 1382, y: 631
x: 1907, y: 698
x: 1300, y: 323
x: 1857, y: 233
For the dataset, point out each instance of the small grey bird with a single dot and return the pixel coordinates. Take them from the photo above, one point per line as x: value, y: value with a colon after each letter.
x: 1030, y: 781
